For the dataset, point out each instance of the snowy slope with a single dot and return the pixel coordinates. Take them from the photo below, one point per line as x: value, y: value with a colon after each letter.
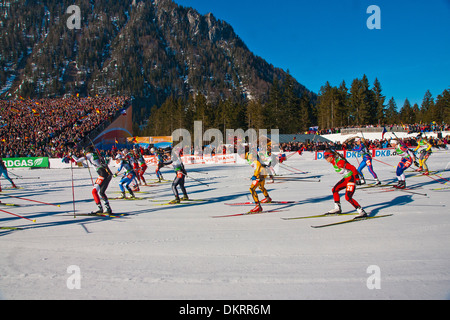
x: 181, y: 252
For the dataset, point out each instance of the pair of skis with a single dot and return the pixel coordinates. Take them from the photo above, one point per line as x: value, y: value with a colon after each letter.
x: 373, y: 185
x: 355, y: 219
x: 407, y: 190
x: 268, y: 203
x: 253, y: 213
x: 9, y: 204
x: 389, y: 188
x: 127, y: 198
x: 98, y: 215
x: 249, y: 213
x: 170, y: 203
x: 10, y: 228
x: 157, y: 202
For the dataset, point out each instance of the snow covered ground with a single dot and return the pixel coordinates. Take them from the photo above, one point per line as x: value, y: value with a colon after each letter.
x: 182, y: 252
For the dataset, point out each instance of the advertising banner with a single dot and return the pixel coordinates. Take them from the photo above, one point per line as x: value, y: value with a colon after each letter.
x: 30, y: 162
x: 191, y: 159
x: 159, y: 139
x: 375, y: 153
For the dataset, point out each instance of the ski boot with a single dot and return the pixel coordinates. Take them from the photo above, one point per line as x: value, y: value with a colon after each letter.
x: 266, y: 200
x: 377, y: 182
x: 99, y: 211
x: 122, y: 195
x: 401, y: 185
x: 361, y: 213
x: 132, y: 196
x: 336, y: 210
x: 107, y: 209
x: 175, y: 201
x: 256, y: 209
x: 185, y: 198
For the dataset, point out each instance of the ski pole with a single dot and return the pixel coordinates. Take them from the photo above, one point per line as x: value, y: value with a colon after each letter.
x: 287, y: 157
x: 299, y: 180
x: 439, y: 177
x: 17, y: 215
x: 50, y: 204
x: 413, y: 192
x: 436, y: 179
x: 298, y: 170
x: 199, y: 172
x: 383, y: 162
x: 16, y: 175
x: 89, y: 169
x: 286, y: 168
x: 73, y: 190
x: 198, y: 181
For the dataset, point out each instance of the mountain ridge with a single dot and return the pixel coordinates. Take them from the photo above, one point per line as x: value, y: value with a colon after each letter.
x: 147, y: 49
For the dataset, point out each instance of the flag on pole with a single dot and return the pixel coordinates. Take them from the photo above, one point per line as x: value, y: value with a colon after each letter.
x: 384, y: 131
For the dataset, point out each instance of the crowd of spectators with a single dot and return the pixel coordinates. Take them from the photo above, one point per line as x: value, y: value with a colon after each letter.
x: 373, y: 144
x: 410, y: 128
x: 428, y: 127
x: 52, y: 127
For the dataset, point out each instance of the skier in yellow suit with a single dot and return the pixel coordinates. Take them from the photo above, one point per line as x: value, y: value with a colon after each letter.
x: 258, y: 181
x: 425, y: 152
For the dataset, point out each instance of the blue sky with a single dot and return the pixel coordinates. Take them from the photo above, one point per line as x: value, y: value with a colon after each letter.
x: 319, y: 41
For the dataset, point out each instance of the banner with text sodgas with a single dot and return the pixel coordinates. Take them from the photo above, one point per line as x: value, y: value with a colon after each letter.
x: 30, y: 162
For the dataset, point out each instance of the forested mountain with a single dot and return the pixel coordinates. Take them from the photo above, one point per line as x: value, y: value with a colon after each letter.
x: 148, y: 49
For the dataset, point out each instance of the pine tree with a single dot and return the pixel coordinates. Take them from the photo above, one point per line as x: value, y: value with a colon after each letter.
x: 416, y: 112
x: 406, y: 113
x: 427, y: 108
x: 290, y: 106
x: 446, y: 105
x: 306, y: 114
x: 341, y: 99
x: 356, y: 101
x: 378, y: 102
x: 274, y: 105
x: 391, y: 112
x: 255, y: 115
x: 368, y: 108
x: 442, y: 106
x: 202, y: 110
x: 325, y: 108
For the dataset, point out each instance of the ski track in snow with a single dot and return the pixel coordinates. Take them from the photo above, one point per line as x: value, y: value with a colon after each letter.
x: 181, y: 252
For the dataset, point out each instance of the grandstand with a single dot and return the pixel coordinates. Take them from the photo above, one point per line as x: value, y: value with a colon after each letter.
x: 54, y: 127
